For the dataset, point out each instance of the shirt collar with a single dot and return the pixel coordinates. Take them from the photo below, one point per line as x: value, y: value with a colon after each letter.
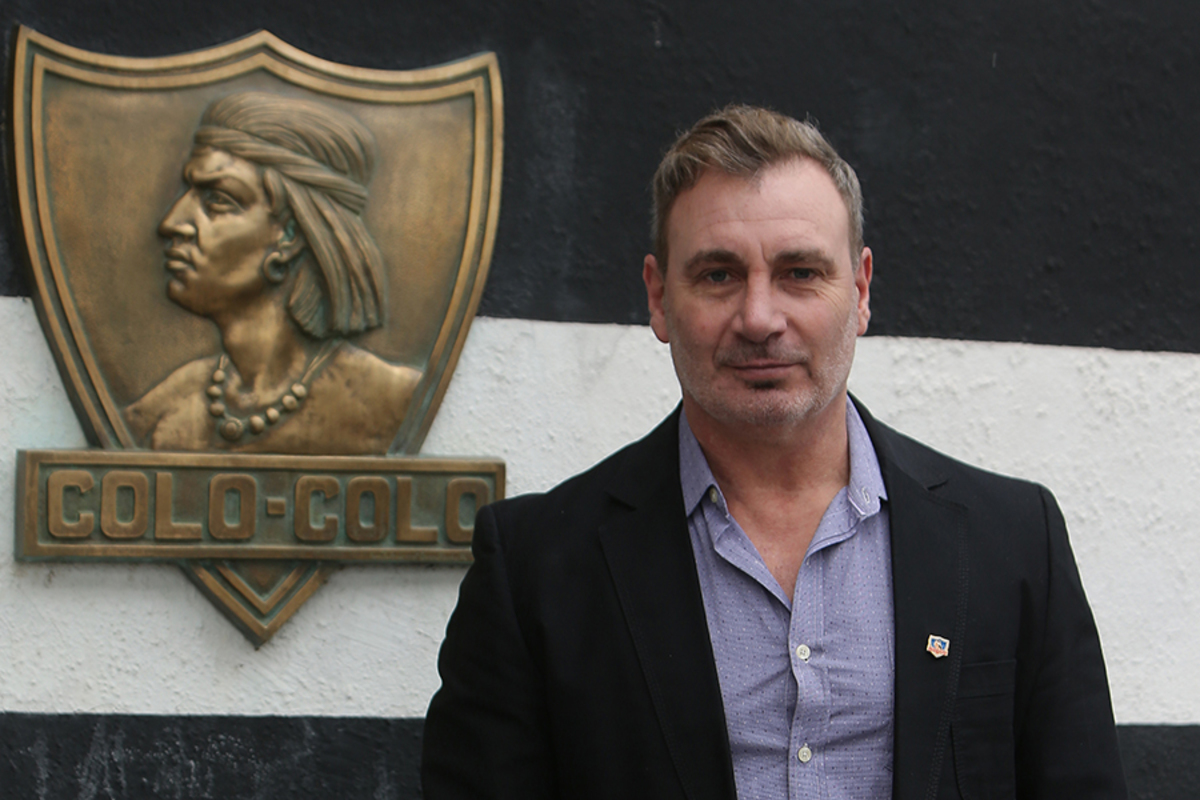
x: 695, y: 477
x: 866, y: 488
x: 864, y: 491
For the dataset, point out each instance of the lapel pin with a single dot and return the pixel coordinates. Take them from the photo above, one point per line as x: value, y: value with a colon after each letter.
x: 938, y: 645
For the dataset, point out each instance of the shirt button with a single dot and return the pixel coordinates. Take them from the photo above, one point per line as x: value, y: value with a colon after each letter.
x: 712, y: 494
x: 803, y: 652
x: 805, y: 755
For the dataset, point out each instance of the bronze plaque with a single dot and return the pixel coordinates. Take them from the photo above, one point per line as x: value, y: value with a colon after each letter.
x: 256, y: 270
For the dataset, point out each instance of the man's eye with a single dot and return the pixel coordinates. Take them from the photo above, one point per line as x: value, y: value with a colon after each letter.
x: 717, y: 276
x: 219, y: 202
x: 801, y: 273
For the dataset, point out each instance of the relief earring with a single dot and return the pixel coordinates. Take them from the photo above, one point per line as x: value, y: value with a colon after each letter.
x: 275, y: 267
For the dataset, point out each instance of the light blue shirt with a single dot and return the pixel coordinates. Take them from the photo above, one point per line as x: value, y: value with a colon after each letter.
x: 807, y: 680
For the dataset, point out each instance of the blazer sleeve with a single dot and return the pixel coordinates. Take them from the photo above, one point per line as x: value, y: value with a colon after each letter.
x: 486, y: 729
x: 1067, y: 746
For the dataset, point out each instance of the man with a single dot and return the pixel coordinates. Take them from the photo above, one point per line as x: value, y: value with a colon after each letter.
x: 268, y: 241
x: 771, y: 595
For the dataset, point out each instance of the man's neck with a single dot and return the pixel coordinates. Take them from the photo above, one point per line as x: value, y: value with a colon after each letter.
x: 789, y: 458
x: 778, y: 480
x: 267, y: 351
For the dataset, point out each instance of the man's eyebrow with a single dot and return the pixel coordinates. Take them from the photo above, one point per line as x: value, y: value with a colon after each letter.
x: 806, y: 256
x: 214, y: 180
x: 206, y: 178
x: 716, y: 255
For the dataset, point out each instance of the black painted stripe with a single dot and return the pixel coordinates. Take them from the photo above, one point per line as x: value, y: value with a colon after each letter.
x: 265, y: 758
x: 1025, y: 166
x: 135, y: 756
x: 1162, y: 762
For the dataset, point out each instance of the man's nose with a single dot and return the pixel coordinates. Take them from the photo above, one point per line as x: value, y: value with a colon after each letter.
x: 178, y: 221
x: 761, y: 315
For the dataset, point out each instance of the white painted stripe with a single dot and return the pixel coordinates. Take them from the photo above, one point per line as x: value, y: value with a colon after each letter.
x: 1109, y: 431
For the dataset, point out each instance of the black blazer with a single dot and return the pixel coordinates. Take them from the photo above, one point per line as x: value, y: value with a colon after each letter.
x: 578, y: 665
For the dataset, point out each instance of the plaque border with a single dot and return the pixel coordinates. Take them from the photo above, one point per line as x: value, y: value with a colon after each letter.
x: 477, y: 76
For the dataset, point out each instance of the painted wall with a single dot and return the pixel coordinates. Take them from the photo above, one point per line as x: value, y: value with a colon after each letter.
x: 1033, y: 205
x: 1100, y: 427
x: 1026, y: 165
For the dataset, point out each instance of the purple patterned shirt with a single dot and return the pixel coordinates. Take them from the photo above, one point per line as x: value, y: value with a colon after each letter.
x: 806, y: 680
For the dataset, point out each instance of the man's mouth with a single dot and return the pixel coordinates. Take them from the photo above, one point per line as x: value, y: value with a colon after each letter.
x: 762, y: 369
x: 177, y: 260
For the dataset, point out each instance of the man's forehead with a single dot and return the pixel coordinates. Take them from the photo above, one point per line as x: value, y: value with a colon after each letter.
x: 209, y: 163
x: 793, y: 202
x: 795, y: 178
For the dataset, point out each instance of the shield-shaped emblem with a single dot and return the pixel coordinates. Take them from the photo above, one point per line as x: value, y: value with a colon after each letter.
x: 251, y: 250
x: 938, y: 646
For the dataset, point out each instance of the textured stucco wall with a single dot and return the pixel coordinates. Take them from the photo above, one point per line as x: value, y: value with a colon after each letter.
x: 1108, y: 431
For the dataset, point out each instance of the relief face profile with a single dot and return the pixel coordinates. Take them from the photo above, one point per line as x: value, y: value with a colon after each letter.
x: 268, y: 242
x: 256, y: 270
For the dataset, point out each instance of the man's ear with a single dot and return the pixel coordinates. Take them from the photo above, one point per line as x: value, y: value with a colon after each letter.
x: 862, y: 281
x: 656, y: 287
x: 291, y: 241
x: 289, y: 244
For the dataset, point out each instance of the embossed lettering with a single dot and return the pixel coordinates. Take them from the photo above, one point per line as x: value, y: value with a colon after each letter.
x: 58, y: 483
x: 381, y: 497
x: 456, y: 491
x: 405, y: 532
x: 306, y: 487
x: 110, y: 488
x: 165, y: 527
x: 247, y: 491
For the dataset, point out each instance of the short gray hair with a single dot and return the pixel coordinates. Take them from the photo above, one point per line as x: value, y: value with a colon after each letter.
x: 745, y: 140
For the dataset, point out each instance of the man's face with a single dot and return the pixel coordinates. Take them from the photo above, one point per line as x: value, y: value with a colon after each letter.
x: 219, y: 233
x: 761, y: 302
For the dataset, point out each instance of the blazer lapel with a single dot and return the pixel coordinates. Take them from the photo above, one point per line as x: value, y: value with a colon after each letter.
x: 930, y: 584
x: 648, y: 550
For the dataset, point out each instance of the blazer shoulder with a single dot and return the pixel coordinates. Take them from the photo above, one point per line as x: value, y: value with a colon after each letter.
x: 945, y: 475
x: 638, y: 473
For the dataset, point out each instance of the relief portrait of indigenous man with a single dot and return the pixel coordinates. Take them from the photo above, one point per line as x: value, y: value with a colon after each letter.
x: 268, y: 242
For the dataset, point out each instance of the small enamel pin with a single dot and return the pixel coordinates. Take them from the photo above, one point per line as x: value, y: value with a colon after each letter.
x: 938, y: 645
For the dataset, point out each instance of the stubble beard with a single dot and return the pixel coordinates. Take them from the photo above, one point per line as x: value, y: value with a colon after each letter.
x: 768, y: 404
